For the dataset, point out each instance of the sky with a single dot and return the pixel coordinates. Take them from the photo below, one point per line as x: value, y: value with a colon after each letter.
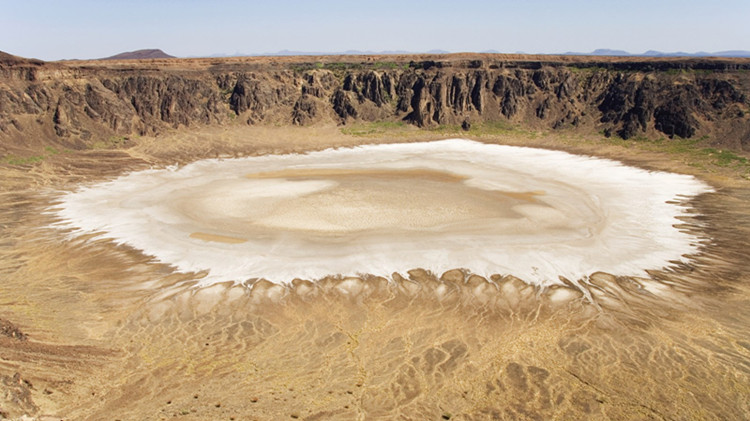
x: 83, y: 29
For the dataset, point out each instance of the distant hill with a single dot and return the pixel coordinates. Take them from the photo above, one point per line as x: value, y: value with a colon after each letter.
x: 608, y: 52
x: 653, y: 53
x: 139, y: 55
x: 10, y: 59
x: 731, y: 53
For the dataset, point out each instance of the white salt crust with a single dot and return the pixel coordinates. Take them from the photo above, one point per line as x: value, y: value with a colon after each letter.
x: 378, y: 209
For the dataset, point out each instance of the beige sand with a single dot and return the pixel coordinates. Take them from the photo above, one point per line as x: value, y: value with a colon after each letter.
x: 409, y: 198
x: 363, y: 201
x: 111, y: 335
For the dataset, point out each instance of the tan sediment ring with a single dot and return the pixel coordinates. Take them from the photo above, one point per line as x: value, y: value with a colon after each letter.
x: 378, y: 209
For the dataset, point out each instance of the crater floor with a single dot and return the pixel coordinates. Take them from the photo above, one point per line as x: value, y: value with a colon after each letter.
x: 107, y: 319
x: 378, y: 209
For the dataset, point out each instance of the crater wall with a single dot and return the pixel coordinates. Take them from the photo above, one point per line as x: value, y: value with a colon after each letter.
x: 80, y: 103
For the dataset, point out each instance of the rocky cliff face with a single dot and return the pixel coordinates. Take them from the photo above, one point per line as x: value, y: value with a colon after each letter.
x: 75, y: 105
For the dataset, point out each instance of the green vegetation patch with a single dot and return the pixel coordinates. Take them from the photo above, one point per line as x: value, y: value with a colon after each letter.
x: 690, y: 149
x: 726, y: 158
x: 586, y: 69
x: 113, y: 142
x: 50, y: 150
x: 340, y: 68
x: 687, y: 71
x: 23, y: 160
x: 375, y: 128
x: 336, y: 67
x: 389, y: 65
x: 34, y: 159
x: 395, y: 128
x: 485, y: 128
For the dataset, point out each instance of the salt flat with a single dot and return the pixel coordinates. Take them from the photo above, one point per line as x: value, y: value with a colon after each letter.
x: 377, y: 209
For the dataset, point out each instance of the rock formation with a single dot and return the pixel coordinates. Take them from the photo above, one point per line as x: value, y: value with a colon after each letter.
x: 75, y: 103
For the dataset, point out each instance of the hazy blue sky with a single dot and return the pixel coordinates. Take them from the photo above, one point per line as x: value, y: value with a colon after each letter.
x: 52, y: 30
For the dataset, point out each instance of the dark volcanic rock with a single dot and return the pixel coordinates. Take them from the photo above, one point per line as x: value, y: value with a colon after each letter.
x: 629, y: 105
x: 342, y: 105
x: 370, y: 86
x: 720, y: 93
x: 173, y: 100
x: 305, y: 111
x: 317, y: 85
x: 103, y: 105
x: 256, y: 94
x: 10, y: 330
x: 673, y: 118
x: 510, y: 90
x: 16, y: 401
x: 421, y: 105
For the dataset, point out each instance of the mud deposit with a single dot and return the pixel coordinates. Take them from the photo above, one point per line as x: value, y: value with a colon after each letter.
x: 95, y: 329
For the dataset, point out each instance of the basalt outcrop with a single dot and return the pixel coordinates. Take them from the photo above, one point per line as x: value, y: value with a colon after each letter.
x: 76, y: 104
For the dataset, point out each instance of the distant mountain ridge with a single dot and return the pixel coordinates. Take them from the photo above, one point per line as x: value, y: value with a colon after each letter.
x: 654, y: 53
x: 139, y: 55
